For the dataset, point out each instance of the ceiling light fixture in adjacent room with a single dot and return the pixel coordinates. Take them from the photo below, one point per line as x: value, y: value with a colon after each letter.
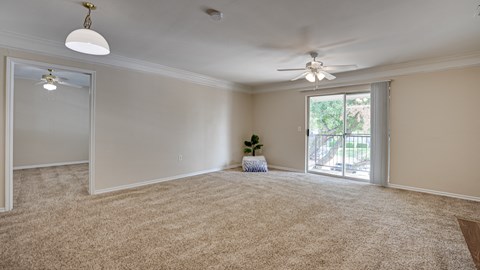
x: 48, y: 80
x: 50, y: 86
x: 214, y: 14
x: 86, y: 40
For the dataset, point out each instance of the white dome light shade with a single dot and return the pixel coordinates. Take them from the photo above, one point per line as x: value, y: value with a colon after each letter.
x: 50, y: 86
x: 310, y: 77
x: 87, y: 41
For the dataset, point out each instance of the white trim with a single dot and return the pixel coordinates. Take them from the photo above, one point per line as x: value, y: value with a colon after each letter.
x: 360, y: 88
x: 9, y: 135
x: 285, y: 169
x: 340, y: 177
x: 11, y: 61
x: 165, y: 179
x: 306, y: 133
x: 435, y: 192
x: 41, y: 46
x: 49, y: 165
x: 380, y: 73
x: 2, y: 210
x: 91, y: 152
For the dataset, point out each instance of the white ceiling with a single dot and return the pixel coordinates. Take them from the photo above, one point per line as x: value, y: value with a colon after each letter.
x: 258, y: 36
x: 34, y: 73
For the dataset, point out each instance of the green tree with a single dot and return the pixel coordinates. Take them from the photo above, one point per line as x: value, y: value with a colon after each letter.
x: 327, y: 119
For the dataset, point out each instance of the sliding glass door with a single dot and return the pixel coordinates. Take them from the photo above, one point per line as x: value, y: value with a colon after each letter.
x: 339, y: 135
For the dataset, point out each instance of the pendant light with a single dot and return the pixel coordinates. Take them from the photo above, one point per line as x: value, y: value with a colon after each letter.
x: 86, y: 40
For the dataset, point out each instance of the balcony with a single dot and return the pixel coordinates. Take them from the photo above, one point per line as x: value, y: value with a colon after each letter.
x: 327, y: 152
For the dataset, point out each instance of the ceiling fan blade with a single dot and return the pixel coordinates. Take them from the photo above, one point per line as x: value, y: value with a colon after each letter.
x: 40, y: 82
x: 339, y: 67
x: 69, y: 84
x: 328, y: 76
x: 336, y: 44
x: 300, y: 76
x: 290, y: 69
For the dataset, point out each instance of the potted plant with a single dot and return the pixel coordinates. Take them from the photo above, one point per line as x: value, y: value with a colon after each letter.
x: 252, y: 145
x: 253, y: 163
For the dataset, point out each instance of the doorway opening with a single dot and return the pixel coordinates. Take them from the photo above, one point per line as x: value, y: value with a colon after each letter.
x: 339, y: 135
x: 49, y: 123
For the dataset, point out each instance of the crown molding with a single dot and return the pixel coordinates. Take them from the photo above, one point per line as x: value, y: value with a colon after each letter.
x: 16, y: 41
x: 381, y: 73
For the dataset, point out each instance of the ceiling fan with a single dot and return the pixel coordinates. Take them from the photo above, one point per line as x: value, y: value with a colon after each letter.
x: 315, y: 70
x: 49, y: 80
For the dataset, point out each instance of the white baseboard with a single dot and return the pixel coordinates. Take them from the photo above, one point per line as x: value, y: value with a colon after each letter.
x: 285, y: 169
x: 49, y: 165
x: 160, y: 180
x: 3, y: 210
x: 435, y: 192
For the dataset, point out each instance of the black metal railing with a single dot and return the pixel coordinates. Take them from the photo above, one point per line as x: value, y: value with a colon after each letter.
x: 327, y: 152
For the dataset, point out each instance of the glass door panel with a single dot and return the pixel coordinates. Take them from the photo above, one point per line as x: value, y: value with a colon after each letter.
x: 357, y: 135
x: 335, y: 145
x: 326, y: 128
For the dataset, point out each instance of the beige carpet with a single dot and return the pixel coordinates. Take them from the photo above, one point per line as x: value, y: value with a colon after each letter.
x: 229, y: 220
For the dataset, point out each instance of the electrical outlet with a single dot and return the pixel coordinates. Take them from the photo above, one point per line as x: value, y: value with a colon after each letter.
x: 299, y: 129
x: 180, y: 157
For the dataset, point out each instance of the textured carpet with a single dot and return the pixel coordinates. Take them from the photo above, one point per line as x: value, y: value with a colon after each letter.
x: 229, y: 220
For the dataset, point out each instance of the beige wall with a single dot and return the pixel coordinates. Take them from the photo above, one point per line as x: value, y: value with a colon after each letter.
x: 49, y: 126
x: 434, y: 129
x: 144, y: 121
x: 278, y: 115
x: 277, y: 118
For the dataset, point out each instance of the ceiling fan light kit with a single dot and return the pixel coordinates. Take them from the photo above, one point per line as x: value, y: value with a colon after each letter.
x: 310, y: 77
x: 316, y: 71
x: 50, y: 81
x: 320, y: 76
x: 86, y: 40
x: 49, y: 86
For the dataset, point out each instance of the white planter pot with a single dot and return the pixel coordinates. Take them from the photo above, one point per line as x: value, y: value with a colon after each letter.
x: 254, y: 164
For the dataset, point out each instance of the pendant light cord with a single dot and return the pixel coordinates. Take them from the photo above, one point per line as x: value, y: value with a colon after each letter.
x: 88, y: 21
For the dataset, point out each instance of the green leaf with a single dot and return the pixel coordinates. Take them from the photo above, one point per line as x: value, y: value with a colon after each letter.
x: 247, y: 150
x: 255, y: 139
x: 247, y: 143
x: 258, y: 146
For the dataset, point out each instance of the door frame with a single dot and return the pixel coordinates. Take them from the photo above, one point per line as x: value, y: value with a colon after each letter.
x: 9, y: 103
x: 307, y: 134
